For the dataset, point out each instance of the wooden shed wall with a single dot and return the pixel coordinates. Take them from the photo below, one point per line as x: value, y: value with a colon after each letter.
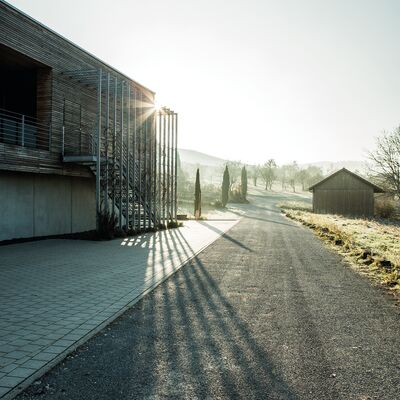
x: 344, y: 194
x: 20, y: 33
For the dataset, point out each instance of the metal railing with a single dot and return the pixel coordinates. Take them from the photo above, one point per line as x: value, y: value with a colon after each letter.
x: 21, y: 130
x: 77, y: 142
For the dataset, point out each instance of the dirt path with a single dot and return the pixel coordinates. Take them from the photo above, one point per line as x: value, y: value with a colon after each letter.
x: 266, y: 312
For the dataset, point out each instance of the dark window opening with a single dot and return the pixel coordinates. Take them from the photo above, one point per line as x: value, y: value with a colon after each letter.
x: 25, y: 100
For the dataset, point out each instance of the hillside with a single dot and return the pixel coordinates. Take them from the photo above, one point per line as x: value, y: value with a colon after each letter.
x: 196, y: 157
x: 211, y: 167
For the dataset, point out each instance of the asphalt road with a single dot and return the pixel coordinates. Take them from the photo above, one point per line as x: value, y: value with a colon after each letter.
x: 266, y: 312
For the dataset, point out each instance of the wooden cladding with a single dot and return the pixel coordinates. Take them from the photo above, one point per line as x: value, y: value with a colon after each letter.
x: 344, y: 193
x: 26, y: 45
x: 357, y: 202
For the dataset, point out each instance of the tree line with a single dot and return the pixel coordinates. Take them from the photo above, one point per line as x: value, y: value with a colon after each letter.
x: 288, y: 176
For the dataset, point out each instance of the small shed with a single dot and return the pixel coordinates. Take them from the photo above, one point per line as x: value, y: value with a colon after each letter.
x: 344, y: 193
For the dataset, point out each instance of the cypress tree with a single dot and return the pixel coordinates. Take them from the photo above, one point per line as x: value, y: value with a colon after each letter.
x: 244, y: 183
x: 197, y: 196
x: 225, y: 187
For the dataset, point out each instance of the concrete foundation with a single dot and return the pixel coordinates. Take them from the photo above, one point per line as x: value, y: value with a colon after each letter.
x: 33, y: 205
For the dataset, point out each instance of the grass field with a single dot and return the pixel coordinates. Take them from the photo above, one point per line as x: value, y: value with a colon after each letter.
x: 371, y: 246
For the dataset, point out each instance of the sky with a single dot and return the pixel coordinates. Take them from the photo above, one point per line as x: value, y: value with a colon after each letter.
x: 304, y: 80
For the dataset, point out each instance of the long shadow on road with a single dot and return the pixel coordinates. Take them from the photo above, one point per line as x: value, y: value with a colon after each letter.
x: 223, y: 235
x: 183, y: 340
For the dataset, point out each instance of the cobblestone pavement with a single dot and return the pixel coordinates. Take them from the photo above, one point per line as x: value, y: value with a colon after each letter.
x: 55, y: 294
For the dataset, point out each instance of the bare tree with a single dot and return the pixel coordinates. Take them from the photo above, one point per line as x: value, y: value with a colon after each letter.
x: 282, y: 176
x: 386, y: 160
x: 308, y: 176
x: 268, y: 173
x: 293, y: 170
x: 314, y: 175
x: 301, y: 177
x: 255, y: 173
x: 235, y: 170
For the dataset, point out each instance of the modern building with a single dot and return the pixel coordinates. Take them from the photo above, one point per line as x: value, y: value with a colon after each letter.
x: 344, y: 193
x: 77, y: 138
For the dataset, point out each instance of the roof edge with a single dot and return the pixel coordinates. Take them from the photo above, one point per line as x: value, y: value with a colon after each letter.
x: 74, y: 44
x: 376, y: 188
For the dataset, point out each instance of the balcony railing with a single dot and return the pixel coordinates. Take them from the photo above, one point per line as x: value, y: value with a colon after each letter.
x: 21, y: 130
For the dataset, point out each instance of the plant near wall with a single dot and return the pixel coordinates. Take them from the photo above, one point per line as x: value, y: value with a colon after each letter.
x: 107, y: 225
x: 225, y: 187
x: 197, y: 196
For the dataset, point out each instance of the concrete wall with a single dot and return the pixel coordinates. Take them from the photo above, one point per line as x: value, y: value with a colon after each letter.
x: 42, y: 205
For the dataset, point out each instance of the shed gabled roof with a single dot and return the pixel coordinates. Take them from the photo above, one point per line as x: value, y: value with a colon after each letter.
x: 377, y: 189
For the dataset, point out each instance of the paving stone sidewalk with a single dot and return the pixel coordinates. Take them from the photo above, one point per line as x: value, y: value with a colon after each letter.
x: 55, y: 294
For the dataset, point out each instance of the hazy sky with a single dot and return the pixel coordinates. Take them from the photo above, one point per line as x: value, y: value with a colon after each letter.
x: 304, y: 80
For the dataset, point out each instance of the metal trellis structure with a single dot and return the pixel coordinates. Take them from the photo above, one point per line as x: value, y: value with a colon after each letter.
x: 132, y: 151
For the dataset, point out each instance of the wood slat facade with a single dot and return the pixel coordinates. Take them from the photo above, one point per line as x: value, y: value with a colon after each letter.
x: 52, y: 56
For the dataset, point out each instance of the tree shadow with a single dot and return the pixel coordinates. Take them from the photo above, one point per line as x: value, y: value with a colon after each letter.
x: 184, y: 339
x: 257, y: 218
x: 225, y: 235
x: 219, y: 339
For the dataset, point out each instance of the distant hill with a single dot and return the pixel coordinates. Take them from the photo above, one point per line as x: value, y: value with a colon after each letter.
x: 196, y: 157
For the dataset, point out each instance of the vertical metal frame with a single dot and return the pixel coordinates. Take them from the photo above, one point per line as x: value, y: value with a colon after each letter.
x: 159, y: 168
x: 139, y: 141
x: 107, y: 130
x: 114, y: 147
x: 154, y: 172
x: 134, y: 194
x: 150, y: 170
x: 145, y: 166
x: 98, y: 145
x: 176, y: 167
x: 172, y: 153
x: 168, y: 163
x: 128, y: 168
x: 164, y: 186
x: 121, y: 154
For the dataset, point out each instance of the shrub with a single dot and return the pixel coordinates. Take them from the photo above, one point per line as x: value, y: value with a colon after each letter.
x: 120, y: 233
x: 295, y: 205
x: 384, y: 208
x: 235, y: 196
x: 132, y: 232
x: 107, y: 225
x: 174, y: 224
x: 218, y: 204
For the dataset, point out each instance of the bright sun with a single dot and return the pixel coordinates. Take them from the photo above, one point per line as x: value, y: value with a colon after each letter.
x: 157, y: 106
